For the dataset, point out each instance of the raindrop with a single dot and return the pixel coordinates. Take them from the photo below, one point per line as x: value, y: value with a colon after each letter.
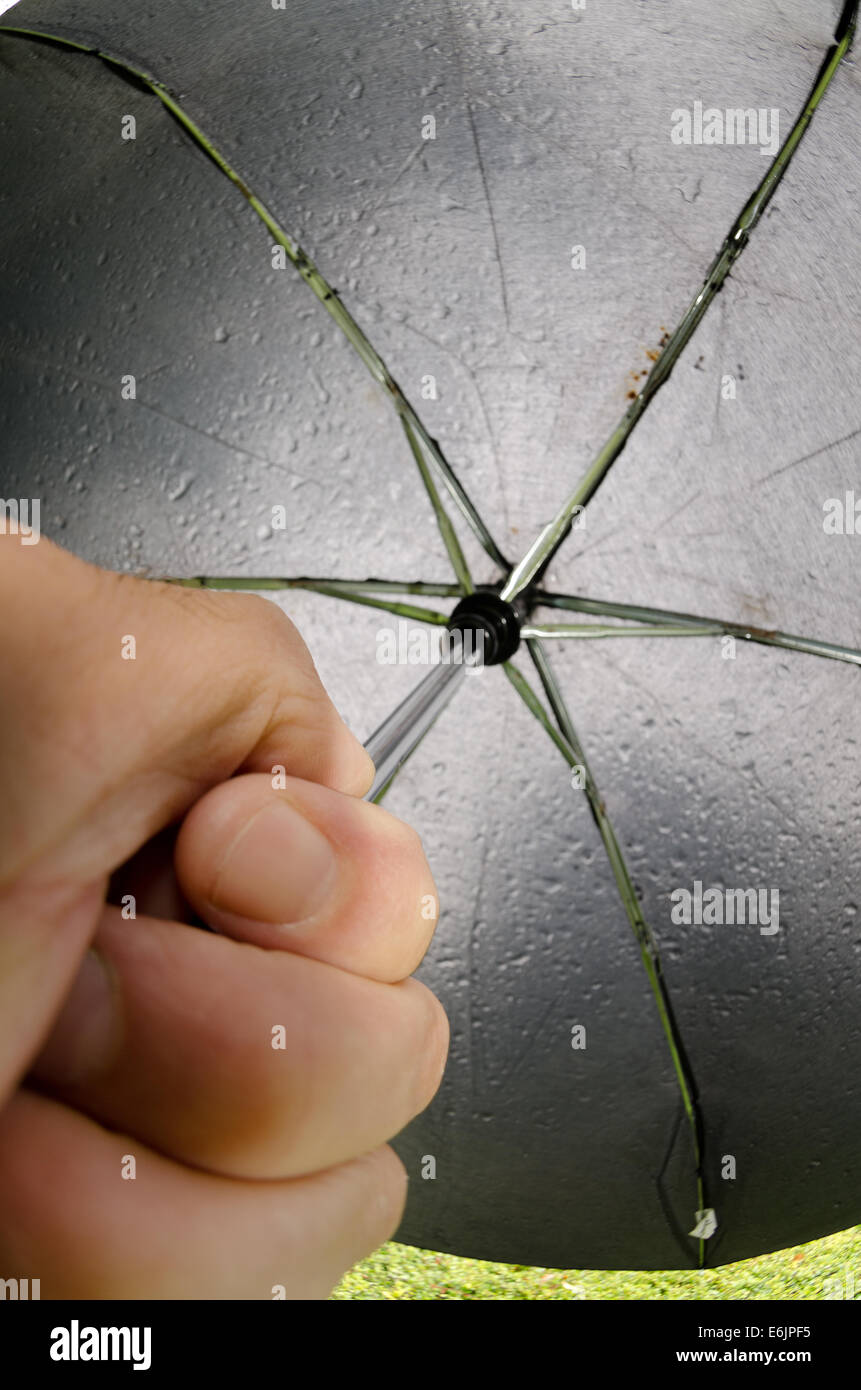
x: 180, y: 488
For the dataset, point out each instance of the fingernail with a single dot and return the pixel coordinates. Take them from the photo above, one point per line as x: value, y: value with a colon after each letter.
x: 85, y: 1037
x: 279, y: 868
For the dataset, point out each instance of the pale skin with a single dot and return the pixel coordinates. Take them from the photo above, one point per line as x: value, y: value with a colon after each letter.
x: 257, y: 1167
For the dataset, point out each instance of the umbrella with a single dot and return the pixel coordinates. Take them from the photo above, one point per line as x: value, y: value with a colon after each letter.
x: 546, y: 314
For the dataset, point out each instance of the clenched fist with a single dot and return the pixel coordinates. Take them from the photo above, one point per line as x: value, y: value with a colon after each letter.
x: 192, y: 1113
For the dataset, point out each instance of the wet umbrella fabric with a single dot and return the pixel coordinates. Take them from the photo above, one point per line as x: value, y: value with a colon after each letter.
x: 496, y: 198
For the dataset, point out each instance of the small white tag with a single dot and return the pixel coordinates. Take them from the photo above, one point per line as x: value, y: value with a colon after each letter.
x: 706, y: 1224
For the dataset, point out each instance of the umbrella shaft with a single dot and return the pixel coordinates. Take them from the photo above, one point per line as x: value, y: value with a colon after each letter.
x: 391, y: 744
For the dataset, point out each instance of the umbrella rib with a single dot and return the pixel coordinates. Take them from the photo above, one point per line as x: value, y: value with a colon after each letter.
x: 443, y: 520
x: 745, y: 632
x: 575, y: 630
x: 567, y: 741
x: 347, y: 586
x: 328, y: 297
x: 538, y: 557
x: 416, y: 611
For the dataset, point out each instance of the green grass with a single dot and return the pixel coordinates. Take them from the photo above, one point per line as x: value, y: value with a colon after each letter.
x: 402, y: 1272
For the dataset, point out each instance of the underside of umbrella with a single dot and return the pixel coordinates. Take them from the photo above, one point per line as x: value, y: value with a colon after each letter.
x: 549, y: 312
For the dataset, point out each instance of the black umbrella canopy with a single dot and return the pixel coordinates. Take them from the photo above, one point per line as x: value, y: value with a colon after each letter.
x: 502, y: 198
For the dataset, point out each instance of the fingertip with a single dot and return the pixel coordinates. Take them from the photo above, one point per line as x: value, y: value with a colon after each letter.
x: 345, y: 766
x: 325, y: 752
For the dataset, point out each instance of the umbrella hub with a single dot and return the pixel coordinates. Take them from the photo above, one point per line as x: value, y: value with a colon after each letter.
x: 494, y: 623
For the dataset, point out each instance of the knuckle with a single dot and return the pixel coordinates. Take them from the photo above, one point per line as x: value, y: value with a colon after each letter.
x: 283, y: 632
x: 259, y: 622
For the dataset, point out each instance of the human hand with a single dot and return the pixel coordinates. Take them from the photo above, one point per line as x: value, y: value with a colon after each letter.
x: 253, y: 1075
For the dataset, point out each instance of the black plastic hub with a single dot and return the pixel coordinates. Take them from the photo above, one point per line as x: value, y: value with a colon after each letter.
x: 484, y: 612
